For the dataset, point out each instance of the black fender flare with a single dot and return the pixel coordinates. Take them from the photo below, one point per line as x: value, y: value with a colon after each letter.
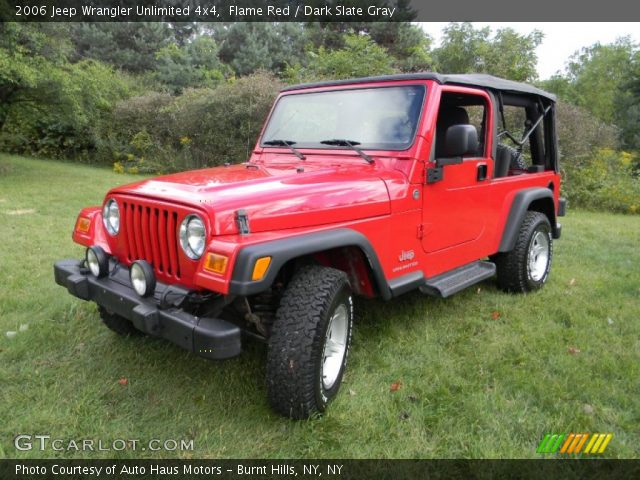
x: 519, y: 207
x: 285, y: 249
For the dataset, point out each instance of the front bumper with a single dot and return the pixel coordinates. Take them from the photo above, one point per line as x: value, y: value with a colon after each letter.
x: 208, y: 337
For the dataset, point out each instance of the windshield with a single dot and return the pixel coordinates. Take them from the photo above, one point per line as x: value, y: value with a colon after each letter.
x: 383, y: 118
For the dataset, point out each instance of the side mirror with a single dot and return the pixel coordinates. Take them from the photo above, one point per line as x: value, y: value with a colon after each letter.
x: 460, y: 140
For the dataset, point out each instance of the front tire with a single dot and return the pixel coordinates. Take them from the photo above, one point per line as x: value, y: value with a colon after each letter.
x: 310, y: 340
x: 527, y: 266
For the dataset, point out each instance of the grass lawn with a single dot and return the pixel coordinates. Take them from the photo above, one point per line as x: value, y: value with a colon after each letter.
x: 482, y: 374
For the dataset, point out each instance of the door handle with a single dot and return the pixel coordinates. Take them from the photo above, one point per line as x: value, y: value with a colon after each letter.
x: 482, y: 172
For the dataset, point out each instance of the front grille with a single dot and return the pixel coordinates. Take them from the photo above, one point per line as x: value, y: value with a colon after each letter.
x: 151, y: 235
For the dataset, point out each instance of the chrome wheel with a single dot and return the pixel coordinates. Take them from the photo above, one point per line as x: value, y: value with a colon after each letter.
x: 335, y: 346
x: 538, y: 256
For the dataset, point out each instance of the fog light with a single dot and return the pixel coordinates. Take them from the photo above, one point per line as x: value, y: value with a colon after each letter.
x: 97, y: 261
x: 142, y: 278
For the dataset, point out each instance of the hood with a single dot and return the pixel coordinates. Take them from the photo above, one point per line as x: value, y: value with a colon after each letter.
x: 275, y: 195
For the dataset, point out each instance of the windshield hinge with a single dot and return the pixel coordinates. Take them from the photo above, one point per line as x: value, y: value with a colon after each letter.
x: 242, y: 219
x: 434, y: 174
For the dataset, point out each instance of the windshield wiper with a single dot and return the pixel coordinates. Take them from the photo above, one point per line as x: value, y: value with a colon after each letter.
x: 340, y: 142
x: 286, y: 143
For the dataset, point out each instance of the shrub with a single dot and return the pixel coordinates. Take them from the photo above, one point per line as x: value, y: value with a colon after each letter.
x: 580, y: 133
x: 60, y: 118
x: 202, y: 127
x: 131, y: 121
x: 595, y: 174
x: 603, y: 181
x: 223, y: 124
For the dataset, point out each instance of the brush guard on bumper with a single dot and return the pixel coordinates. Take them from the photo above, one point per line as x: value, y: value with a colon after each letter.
x: 208, y: 337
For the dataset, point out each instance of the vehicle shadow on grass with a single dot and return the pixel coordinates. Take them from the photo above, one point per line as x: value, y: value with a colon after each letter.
x: 413, y: 309
x: 160, y: 373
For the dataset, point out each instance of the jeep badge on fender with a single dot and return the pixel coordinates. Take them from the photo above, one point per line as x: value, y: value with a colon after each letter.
x: 371, y: 187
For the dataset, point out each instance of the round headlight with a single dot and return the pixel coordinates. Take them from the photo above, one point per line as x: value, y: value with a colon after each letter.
x: 111, y: 217
x: 193, y: 236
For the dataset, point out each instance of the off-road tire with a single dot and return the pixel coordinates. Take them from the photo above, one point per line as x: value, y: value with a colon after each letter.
x: 513, y: 268
x: 297, y: 343
x: 116, y: 323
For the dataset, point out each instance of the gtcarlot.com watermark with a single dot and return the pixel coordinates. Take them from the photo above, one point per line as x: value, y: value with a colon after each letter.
x: 27, y: 442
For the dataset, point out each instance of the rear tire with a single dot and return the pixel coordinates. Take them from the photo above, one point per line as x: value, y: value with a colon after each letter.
x: 309, y: 343
x: 116, y: 323
x: 527, y: 266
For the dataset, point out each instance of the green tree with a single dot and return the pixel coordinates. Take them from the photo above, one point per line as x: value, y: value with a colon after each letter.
x: 31, y: 58
x: 61, y: 117
x: 465, y: 49
x: 195, y: 64
x: 596, y: 74
x: 251, y: 46
x: 558, y: 84
x: 360, y: 57
x: 49, y: 106
x: 183, y: 32
x: 131, y: 46
x: 409, y: 45
x: 512, y: 55
x: 331, y: 35
x: 627, y: 106
x: 605, y: 81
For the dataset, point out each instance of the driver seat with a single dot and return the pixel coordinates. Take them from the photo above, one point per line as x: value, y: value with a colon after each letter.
x: 448, y: 116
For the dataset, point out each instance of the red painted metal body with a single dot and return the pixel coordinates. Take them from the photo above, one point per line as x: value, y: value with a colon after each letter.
x: 445, y: 224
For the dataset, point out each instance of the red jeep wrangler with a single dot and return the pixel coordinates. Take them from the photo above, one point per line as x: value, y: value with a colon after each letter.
x: 370, y: 187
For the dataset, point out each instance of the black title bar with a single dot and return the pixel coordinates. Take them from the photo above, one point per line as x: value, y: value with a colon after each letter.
x: 315, y: 10
x: 316, y: 469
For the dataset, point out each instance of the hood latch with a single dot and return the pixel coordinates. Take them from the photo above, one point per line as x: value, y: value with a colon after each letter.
x: 242, y: 219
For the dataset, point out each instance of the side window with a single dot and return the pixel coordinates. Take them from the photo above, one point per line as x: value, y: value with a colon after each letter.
x: 516, y: 123
x: 521, y: 148
x: 460, y: 109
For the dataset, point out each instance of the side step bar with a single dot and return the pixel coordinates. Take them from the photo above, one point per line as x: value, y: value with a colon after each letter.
x: 448, y: 283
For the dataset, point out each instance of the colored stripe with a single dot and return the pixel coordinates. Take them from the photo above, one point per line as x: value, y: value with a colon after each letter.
x: 557, y: 444
x: 575, y: 442
x: 591, y: 442
x: 543, y: 443
x: 601, y: 437
x: 551, y: 443
x: 605, y: 443
x: 566, y: 444
x: 584, y: 439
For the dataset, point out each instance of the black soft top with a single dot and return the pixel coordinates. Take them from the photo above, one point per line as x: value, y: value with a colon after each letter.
x: 471, y: 79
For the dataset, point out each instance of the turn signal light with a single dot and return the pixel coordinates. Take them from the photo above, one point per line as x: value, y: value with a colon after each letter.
x: 83, y: 224
x: 260, y: 268
x: 216, y: 263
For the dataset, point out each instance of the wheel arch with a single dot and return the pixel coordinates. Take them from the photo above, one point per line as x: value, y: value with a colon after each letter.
x: 343, y: 248
x: 535, y: 199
